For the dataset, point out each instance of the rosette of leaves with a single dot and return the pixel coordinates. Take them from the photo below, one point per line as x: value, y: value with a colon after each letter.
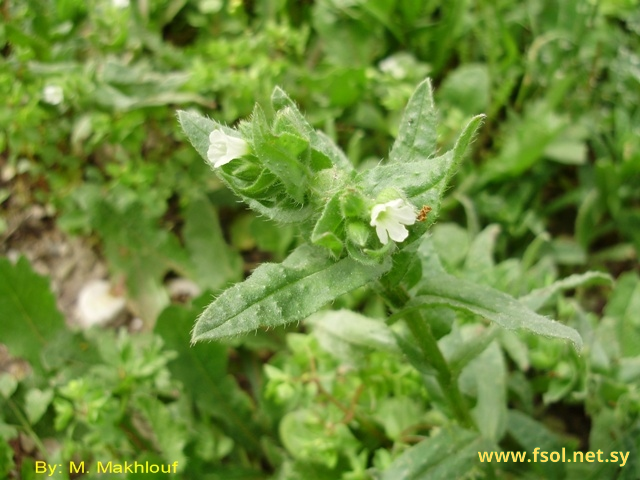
x: 292, y: 173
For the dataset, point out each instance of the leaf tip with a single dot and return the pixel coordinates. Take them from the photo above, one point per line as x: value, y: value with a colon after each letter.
x: 578, y: 345
x: 427, y: 86
x: 180, y: 114
x: 197, y: 335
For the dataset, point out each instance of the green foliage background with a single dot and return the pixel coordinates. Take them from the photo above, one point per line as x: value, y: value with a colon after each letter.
x: 551, y: 191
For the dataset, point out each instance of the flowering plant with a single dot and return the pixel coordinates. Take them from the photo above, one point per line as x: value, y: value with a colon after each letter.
x: 360, y: 228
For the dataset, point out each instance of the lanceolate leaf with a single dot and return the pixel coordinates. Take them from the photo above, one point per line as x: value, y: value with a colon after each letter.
x: 438, y: 288
x: 324, y: 233
x: 417, y: 135
x: 537, y: 298
x: 283, y: 103
x: 412, y: 178
x: 277, y: 294
x: 424, y: 178
x: 323, y: 144
x: 465, y: 139
x: 282, y: 210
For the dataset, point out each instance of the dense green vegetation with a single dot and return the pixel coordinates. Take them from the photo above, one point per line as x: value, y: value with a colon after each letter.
x: 545, y: 208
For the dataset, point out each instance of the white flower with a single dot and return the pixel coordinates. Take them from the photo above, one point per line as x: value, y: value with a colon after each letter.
x: 52, y: 94
x: 390, y: 219
x: 223, y: 148
x: 120, y: 3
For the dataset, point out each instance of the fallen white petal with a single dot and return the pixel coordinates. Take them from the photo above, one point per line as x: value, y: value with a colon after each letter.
x: 97, y: 305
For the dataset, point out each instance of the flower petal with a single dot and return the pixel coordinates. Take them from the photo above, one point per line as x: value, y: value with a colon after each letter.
x: 405, y: 215
x: 223, y: 148
x: 375, y: 213
x: 382, y: 234
x: 397, y: 231
x: 390, y: 219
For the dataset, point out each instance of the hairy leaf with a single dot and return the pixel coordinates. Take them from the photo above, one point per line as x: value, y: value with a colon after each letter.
x: 445, y: 165
x: 327, y: 226
x: 412, y: 178
x: 439, y: 288
x: 319, y: 141
x: 537, y: 298
x: 465, y: 139
x: 197, y: 130
x: 277, y: 294
x: 283, y: 162
x: 417, y: 136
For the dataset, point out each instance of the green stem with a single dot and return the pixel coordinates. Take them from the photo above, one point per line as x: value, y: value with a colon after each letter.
x: 27, y: 427
x: 448, y: 382
x: 421, y: 330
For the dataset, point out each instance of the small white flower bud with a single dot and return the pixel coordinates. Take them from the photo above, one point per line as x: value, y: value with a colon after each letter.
x: 223, y: 148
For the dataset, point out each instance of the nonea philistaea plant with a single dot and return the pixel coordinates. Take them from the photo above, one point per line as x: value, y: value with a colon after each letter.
x: 360, y: 228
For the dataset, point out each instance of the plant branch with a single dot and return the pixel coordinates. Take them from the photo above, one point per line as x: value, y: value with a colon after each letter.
x: 397, y: 298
